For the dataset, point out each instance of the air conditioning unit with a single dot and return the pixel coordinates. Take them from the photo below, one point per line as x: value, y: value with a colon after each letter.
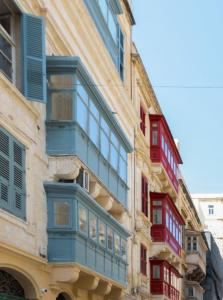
x: 83, y: 179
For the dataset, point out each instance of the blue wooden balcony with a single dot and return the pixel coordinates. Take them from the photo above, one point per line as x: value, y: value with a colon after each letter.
x: 80, y: 231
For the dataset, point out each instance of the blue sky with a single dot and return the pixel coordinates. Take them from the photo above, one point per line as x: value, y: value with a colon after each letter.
x: 181, y: 44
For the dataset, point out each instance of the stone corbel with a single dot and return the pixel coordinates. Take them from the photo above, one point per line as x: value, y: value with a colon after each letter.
x: 103, y: 288
x: 64, y: 167
x: 115, y: 294
x: 64, y: 274
x: 105, y: 201
x: 95, y: 189
x: 89, y: 283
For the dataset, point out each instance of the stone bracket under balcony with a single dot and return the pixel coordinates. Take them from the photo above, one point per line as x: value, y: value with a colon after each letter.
x: 67, y: 167
x: 143, y: 225
x: 79, y: 278
x: 163, y: 251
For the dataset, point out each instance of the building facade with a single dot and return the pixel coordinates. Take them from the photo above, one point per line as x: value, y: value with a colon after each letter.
x: 91, y: 204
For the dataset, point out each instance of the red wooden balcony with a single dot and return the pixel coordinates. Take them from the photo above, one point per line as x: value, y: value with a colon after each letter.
x: 163, y: 149
x: 166, y: 222
x: 165, y: 279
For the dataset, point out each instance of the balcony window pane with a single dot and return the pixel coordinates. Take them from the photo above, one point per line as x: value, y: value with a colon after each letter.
x: 110, y: 238
x: 6, y: 66
x: 61, y: 213
x: 82, y: 91
x: 123, y: 249
x: 157, y: 216
x: 104, y: 145
x: 154, y: 137
x: 64, y: 81
x: 94, y: 110
x: 93, y: 130
x: 101, y: 232
x: 167, y: 219
x: 93, y: 226
x: 114, y: 140
x: 163, y: 143
x: 171, y: 223
x: 122, y: 169
x: 112, y: 26
x: 105, y: 126
x: 156, y: 271
x: 114, y: 157
x: 123, y: 153
x: 82, y: 213
x: 61, y: 106
x: 157, y: 203
x: 117, y: 244
x: 104, y: 8
x: 82, y: 114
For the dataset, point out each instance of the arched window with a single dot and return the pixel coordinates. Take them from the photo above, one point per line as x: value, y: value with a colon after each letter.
x: 10, y: 286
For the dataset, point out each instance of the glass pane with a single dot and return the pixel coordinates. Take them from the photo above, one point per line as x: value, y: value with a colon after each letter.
x: 61, y: 81
x: 61, y: 106
x: 157, y: 216
x: 93, y: 227
x: 112, y: 26
x: 101, y: 232
x: 104, y: 8
x: 61, y: 213
x: 123, y: 249
x: 94, y: 110
x: 122, y: 169
x: 123, y: 153
x: 82, y: 114
x: 110, y: 238
x: 155, y: 137
x: 163, y: 142
x: 104, y: 145
x: 156, y: 272
x: 82, y: 91
x: 5, y: 48
x: 167, y: 219
x: 94, y: 130
x: 5, y: 21
x: 82, y: 219
x: 105, y: 126
x: 117, y: 243
x: 5, y: 66
x: 114, y: 140
x: 157, y: 203
x: 114, y: 157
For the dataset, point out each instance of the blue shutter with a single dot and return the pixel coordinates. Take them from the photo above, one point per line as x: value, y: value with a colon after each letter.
x: 34, y: 58
x: 12, y: 174
x: 121, y: 54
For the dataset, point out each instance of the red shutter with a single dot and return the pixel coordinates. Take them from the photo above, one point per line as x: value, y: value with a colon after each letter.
x: 143, y: 260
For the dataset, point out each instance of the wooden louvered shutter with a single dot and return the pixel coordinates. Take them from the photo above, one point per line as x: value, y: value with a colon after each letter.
x: 34, y: 58
x: 4, y: 170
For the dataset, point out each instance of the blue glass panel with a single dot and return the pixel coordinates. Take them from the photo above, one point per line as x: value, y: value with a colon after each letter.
x: 114, y: 157
x: 82, y: 91
x: 122, y: 169
x: 112, y: 26
x: 94, y: 110
x: 93, y: 130
x: 114, y: 140
x: 103, y: 6
x: 123, y: 153
x: 105, y: 126
x: 104, y: 145
x: 82, y: 114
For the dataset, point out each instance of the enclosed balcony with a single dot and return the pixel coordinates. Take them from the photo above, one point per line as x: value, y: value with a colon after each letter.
x: 83, y: 239
x: 193, y: 291
x: 80, y: 123
x: 165, y: 280
x: 164, y: 153
x: 166, y: 230
x: 196, y: 249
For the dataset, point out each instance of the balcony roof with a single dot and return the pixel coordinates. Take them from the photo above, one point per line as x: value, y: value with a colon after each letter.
x: 162, y: 119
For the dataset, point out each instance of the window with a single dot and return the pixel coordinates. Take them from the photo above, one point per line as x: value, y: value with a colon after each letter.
x: 61, y: 213
x: 123, y: 249
x: 210, y: 209
x: 157, y: 216
x: 156, y: 271
x: 22, y: 51
x: 92, y: 226
x: 101, y: 232
x: 144, y: 195
x: 106, y: 21
x: 82, y: 219
x: 143, y: 120
x: 110, y: 238
x: 154, y: 134
x: 190, y: 292
x: 12, y: 174
x: 192, y: 243
x: 117, y: 244
x: 143, y: 260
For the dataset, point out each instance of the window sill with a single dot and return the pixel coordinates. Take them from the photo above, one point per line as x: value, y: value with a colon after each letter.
x: 5, y: 83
